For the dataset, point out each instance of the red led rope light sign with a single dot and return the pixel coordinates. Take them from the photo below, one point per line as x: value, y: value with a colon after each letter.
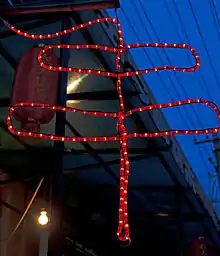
x: 122, y: 136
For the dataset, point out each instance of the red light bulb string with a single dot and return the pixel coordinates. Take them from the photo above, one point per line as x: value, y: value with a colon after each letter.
x: 123, y: 226
x: 122, y: 136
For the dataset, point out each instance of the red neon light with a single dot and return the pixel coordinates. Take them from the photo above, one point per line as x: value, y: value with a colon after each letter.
x: 122, y: 136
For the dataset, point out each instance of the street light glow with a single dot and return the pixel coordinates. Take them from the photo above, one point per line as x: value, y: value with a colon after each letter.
x: 43, y: 219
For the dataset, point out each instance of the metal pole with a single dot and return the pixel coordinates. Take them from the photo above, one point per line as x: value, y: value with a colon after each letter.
x: 180, y: 225
x: 57, y: 170
x: 215, y: 140
x: 216, y: 143
x: 60, y: 116
x: 43, y: 246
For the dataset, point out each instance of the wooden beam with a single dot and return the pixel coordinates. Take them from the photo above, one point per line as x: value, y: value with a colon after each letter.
x: 64, y: 8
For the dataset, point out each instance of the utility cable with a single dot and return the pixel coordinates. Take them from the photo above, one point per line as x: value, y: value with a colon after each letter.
x: 215, y: 16
x: 204, y: 44
x: 149, y: 59
x: 168, y: 59
x: 189, y: 119
x: 200, y: 77
x: 181, y: 85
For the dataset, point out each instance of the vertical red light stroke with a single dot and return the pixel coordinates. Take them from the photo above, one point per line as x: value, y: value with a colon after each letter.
x: 122, y: 136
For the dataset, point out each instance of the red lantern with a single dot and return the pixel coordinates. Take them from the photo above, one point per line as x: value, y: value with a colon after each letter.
x: 35, y: 84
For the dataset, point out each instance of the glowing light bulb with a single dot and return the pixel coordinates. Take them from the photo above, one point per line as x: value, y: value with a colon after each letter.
x: 43, y: 219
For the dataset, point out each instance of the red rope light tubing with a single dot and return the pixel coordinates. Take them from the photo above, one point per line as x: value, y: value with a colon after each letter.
x: 122, y: 136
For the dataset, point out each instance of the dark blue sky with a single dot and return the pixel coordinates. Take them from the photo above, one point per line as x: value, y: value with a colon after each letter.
x: 158, y: 20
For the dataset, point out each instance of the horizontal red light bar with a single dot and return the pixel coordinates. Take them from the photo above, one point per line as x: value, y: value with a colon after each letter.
x: 120, y: 50
x: 114, y: 115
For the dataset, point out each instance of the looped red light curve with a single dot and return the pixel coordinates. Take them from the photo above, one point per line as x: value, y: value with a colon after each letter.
x: 122, y: 135
x: 117, y: 50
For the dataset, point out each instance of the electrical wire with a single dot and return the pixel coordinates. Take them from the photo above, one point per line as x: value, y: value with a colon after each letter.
x: 152, y: 27
x: 200, y: 153
x: 149, y: 59
x: 200, y: 77
x: 186, y: 35
x: 204, y: 43
x: 168, y: 59
x: 183, y: 117
x: 215, y: 16
x: 181, y: 85
x: 24, y: 214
